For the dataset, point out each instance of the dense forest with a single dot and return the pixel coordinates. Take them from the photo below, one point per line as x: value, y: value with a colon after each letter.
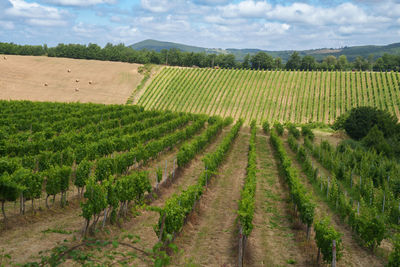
x: 175, y: 57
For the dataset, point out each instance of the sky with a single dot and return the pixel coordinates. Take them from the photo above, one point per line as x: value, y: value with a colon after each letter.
x: 267, y: 25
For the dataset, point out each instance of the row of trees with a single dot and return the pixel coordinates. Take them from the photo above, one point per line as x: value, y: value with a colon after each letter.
x: 175, y: 57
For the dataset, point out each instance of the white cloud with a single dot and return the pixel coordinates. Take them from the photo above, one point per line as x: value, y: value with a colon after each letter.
x: 346, y: 13
x: 7, y: 25
x: 211, y: 2
x: 273, y: 28
x: 157, y: 6
x: 247, y: 8
x: 81, y: 2
x: 24, y: 9
x: 46, y: 22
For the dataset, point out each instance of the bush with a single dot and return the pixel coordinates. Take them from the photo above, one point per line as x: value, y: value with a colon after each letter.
x: 340, y: 121
x: 307, y: 132
x: 293, y: 130
x: 376, y: 140
x: 361, y: 120
x: 394, y: 257
x: 279, y: 128
x: 266, y: 127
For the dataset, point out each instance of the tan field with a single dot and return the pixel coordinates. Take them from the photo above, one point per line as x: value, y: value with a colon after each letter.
x: 67, y: 80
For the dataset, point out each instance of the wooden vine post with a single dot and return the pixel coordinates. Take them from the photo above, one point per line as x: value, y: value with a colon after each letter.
x: 334, y: 253
x: 241, y: 246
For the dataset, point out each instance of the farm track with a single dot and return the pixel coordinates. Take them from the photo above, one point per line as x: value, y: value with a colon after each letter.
x: 210, y: 237
x: 353, y: 253
x: 142, y: 225
x: 273, y: 240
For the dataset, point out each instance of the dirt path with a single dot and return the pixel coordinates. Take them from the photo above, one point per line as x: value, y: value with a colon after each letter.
x: 273, y: 239
x: 353, y: 253
x: 210, y: 237
x: 143, y: 224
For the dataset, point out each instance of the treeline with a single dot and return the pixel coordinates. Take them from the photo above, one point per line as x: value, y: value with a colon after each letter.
x: 175, y: 57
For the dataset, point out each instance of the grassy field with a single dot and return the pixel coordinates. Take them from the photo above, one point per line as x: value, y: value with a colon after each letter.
x: 295, y: 96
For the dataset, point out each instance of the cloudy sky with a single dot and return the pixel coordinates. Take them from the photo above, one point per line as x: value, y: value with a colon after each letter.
x: 269, y: 24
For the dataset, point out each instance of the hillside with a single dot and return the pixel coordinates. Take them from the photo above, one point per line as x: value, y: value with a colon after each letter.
x: 271, y: 95
x: 158, y: 46
x: 214, y: 180
x: 351, y: 52
x: 47, y: 79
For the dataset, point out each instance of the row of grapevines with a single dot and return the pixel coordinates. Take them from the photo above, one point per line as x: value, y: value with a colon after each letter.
x: 189, y: 150
x: 363, y: 221
x: 247, y: 195
x: 177, y: 208
x: 300, y: 198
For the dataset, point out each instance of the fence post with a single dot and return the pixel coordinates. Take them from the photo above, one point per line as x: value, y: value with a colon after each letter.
x: 327, y: 189
x: 173, y: 172
x: 165, y: 173
x: 240, y: 247
x: 334, y: 253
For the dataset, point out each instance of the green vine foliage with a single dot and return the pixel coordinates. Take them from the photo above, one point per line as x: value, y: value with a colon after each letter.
x: 367, y: 224
x: 247, y: 199
x: 190, y: 149
x: 301, y: 199
x: 394, y: 257
x: 82, y: 173
x: 177, y: 208
x: 324, y: 235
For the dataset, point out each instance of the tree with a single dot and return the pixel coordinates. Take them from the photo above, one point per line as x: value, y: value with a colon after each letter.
x: 379, y: 65
x: 375, y: 139
x: 261, y: 60
x: 308, y: 63
x: 246, y: 62
x: 278, y: 63
x: 362, y: 119
x: 330, y: 62
x: 342, y: 62
x: 294, y: 61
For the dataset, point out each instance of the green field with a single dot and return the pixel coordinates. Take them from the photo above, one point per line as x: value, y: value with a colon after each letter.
x: 295, y: 96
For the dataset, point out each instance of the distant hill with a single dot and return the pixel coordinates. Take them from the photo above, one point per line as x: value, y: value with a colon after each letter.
x: 158, y: 46
x: 351, y: 52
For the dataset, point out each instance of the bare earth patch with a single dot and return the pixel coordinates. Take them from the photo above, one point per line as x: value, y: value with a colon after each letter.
x: 210, y: 237
x: 67, y: 80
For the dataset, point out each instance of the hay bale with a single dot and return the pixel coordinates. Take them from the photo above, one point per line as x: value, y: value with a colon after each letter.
x: 5, y: 58
x: 90, y: 82
x: 76, y: 89
x: 77, y: 80
x: 69, y: 70
x: 46, y: 84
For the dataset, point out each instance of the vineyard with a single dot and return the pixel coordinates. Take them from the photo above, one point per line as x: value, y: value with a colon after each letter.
x: 119, y: 185
x: 285, y: 96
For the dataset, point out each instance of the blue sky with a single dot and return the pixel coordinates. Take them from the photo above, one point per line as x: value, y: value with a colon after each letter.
x: 269, y: 25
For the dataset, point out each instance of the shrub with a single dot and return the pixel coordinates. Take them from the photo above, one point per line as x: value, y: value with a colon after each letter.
x: 266, y: 127
x: 376, y: 140
x: 361, y: 120
x: 279, y: 128
x: 293, y: 130
x: 307, y: 132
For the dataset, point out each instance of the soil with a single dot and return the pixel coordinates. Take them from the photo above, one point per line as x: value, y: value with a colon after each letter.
x: 25, y: 78
x: 210, y: 237
x: 273, y: 241
x: 353, y: 253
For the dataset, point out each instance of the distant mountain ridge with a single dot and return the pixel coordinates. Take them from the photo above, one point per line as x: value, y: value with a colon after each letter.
x: 350, y: 52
